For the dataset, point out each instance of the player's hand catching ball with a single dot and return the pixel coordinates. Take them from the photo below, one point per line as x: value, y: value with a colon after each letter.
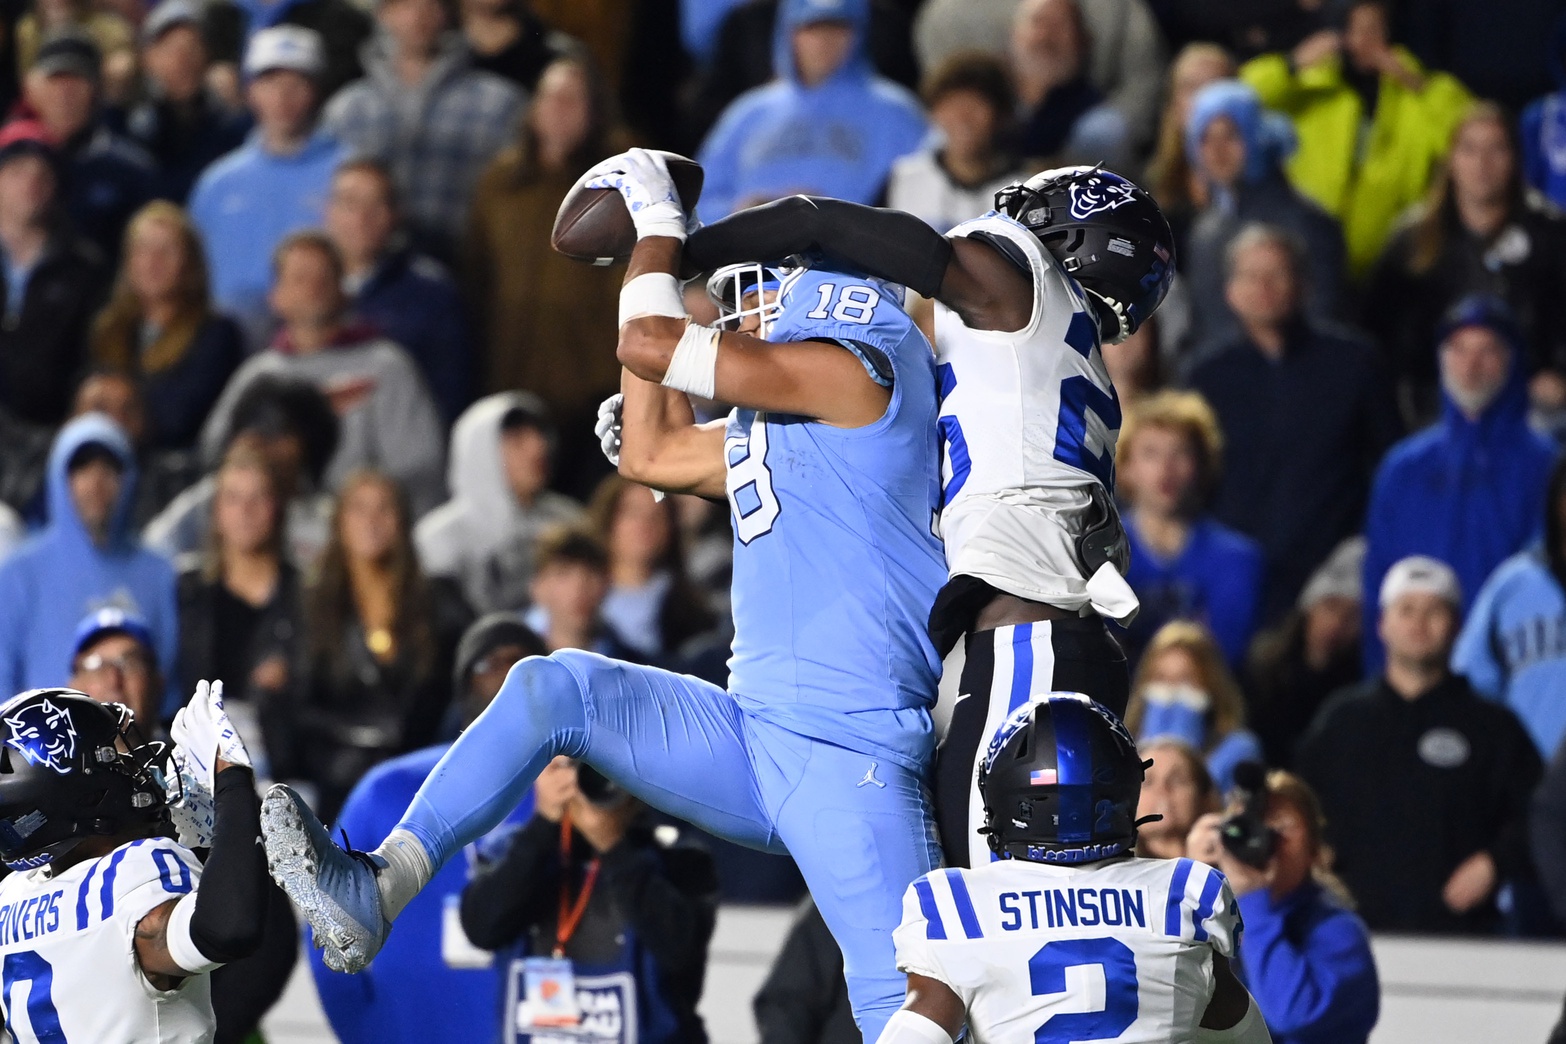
x: 608, y: 427
x: 642, y: 178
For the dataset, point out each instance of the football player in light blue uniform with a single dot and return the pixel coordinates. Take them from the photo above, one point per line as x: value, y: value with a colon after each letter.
x: 821, y: 746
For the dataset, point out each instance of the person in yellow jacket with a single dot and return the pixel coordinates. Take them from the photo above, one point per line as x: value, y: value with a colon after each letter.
x: 1372, y: 123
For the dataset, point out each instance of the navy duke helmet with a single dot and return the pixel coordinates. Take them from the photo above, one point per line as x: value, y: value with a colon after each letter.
x: 1060, y: 783
x: 1107, y: 233
x: 70, y: 770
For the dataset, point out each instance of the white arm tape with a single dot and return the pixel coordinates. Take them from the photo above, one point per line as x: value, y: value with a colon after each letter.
x: 654, y: 293
x: 181, y: 946
x: 693, y: 368
x: 1249, y: 1030
x: 909, y: 1027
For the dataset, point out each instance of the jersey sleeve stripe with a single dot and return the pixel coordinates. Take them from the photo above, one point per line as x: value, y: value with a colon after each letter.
x: 106, y: 893
x: 964, y: 902
x: 81, y: 897
x: 1204, y: 908
x: 934, y: 927
x: 1173, y: 914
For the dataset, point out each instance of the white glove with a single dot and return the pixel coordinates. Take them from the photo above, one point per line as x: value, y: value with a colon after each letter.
x: 608, y: 427
x: 643, y: 179
x: 203, y: 731
x: 192, y: 807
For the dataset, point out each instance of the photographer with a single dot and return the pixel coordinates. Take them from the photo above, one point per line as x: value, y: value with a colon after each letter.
x: 1305, y: 956
x: 610, y: 919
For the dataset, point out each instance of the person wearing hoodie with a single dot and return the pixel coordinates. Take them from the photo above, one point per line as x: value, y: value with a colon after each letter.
x: 276, y: 183
x: 388, y: 419
x: 485, y: 536
x: 828, y: 125
x: 1508, y: 649
x: 425, y: 112
x: 1543, y: 129
x: 85, y: 558
x: 1237, y: 148
x: 1469, y: 489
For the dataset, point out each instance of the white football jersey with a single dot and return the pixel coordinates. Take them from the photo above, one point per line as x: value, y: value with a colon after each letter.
x: 68, y: 969
x: 1041, y: 953
x: 1028, y: 425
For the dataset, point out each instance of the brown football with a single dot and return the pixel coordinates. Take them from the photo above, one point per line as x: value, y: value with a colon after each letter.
x: 594, y: 225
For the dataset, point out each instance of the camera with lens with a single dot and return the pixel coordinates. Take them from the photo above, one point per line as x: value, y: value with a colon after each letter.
x: 1245, y: 833
x: 598, y: 788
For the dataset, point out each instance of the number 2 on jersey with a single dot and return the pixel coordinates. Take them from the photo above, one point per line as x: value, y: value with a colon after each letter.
x: 30, y: 967
x: 1047, y: 972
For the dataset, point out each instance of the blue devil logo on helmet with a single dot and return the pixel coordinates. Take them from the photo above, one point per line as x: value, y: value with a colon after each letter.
x: 44, y: 734
x: 1101, y: 192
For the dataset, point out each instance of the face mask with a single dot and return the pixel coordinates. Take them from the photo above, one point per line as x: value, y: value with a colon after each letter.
x: 1177, y: 710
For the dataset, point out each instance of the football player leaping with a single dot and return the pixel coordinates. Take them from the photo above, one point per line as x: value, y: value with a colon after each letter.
x: 1025, y: 295
x: 107, y: 928
x: 1068, y: 936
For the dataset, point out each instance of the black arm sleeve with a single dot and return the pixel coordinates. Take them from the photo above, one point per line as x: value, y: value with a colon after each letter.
x: 231, y: 902
x: 887, y: 244
x: 506, y: 899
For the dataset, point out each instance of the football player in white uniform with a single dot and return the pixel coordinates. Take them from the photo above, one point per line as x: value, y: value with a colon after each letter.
x: 1068, y: 936
x: 107, y: 926
x: 1026, y: 296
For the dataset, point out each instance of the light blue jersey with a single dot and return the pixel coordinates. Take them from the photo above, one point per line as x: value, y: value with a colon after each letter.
x: 835, y: 564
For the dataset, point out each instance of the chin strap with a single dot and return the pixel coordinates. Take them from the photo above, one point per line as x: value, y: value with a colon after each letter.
x: 1117, y: 311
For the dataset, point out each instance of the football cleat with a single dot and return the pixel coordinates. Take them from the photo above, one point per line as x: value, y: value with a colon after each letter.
x: 334, y: 888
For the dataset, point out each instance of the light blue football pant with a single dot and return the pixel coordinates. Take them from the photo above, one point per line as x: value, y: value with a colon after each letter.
x: 860, y: 829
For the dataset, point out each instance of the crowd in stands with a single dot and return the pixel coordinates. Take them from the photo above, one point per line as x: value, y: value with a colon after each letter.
x: 290, y: 374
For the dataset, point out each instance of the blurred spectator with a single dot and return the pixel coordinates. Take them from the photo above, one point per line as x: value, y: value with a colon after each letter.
x: 1183, y: 691
x: 1543, y: 128
x: 161, y: 474
x: 182, y: 123
x: 1062, y: 114
x: 53, y: 281
x: 430, y: 974
x: 1477, y: 233
x: 485, y: 536
x: 651, y: 603
x: 804, y: 999
x: 423, y: 111
x: 295, y: 429
x: 1372, y: 123
x: 159, y: 325
x: 379, y: 645
x: 1451, y: 773
x: 113, y: 660
x: 388, y: 418
x: 239, y: 600
x: 1507, y: 650
x: 1312, y: 653
x: 1305, y: 956
x: 570, y: 583
x: 407, y: 296
x: 1237, y: 150
x: 1135, y: 366
x: 1126, y: 59
x: 84, y: 559
x: 548, y: 322
x: 1547, y: 840
x: 1178, y: 787
x: 1170, y: 177
x: 827, y: 125
x: 1306, y: 414
x: 506, y: 38
x: 1509, y: 59
x: 1468, y: 490
x: 638, y: 948
x: 277, y: 183
x: 1245, y: 29
x: 112, y: 38
x: 949, y: 181
x: 1184, y: 565
x: 107, y: 177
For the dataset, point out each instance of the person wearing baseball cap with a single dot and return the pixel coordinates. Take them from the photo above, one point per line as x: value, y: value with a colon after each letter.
x: 114, y: 661
x: 1469, y: 489
x: 276, y: 183
x: 1425, y: 784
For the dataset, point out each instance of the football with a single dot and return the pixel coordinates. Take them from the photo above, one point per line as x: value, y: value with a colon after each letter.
x: 593, y: 225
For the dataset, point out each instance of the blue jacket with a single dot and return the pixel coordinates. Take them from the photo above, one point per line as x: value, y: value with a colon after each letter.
x: 1466, y: 492
x: 1543, y: 129
x: 414, y: 301
x: 1307, y: 961
x: 410, y: 988
x: 1216, y: 579
x: 838, y: 138
x: 59, y: 576
x: 244, y: 205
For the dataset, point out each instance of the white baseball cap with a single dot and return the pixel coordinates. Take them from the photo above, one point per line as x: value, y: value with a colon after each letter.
x: 1421, y: 574
x: 289, y: 47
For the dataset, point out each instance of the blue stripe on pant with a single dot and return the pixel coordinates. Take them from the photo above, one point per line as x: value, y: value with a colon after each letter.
x: 861, y: 830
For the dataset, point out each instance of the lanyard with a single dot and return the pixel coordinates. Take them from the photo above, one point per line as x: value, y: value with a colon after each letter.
x: 571, y: 915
